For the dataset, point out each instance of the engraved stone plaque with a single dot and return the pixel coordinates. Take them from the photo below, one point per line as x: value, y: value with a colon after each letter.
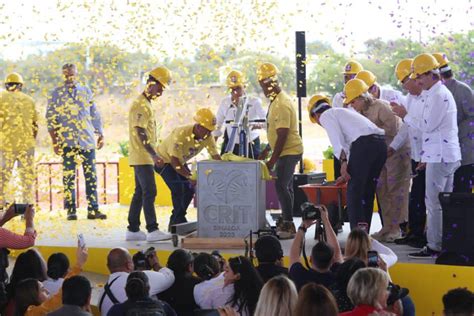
x: 231, y: 198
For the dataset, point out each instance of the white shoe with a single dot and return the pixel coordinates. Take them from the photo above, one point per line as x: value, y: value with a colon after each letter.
x: 134, y: 236
x: 157, y: 235
x: 391, y: 236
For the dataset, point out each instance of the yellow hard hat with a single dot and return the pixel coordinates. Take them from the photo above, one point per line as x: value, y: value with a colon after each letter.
x: 366, y: 76
x: 14, y: 78
x: 441, y: 58
x: 312, y: 102
x: 162, y: 74
x: 422, y: 64
x: 352, y: 67
x: 206, y: 118
x: 403, y: 69
x: 309, y: 165
x: 353, y: 89
x: 235, y: 79
x: 267, y: 70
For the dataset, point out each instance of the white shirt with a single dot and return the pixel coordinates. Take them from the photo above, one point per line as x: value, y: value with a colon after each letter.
x: 414, y: 106
x: 391, y: 95
x: 338, y: 100
x: 438, y: 125
x: 344, y: 126
x: 53, y: 286
x: 159, y: 282
x: 212, y: 293
x: 387, y: 255
x: 227, y: 111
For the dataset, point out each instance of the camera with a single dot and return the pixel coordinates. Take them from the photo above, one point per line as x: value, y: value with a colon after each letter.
x: 310, y: 211
x: 140, y: 259
x: 20, y: 209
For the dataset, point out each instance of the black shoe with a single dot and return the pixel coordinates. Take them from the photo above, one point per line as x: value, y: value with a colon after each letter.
x: 71, y: 217
x: 417, y: 242
x: 96, y: 215
x: 424, y: 253
x: 404, y: 240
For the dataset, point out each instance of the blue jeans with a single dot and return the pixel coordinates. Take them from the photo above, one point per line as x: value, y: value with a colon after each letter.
x: 70, y: 154
x: 182, y: 192
x: 144, y: 196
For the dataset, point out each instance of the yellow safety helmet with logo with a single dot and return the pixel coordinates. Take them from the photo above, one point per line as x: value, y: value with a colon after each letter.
x: 352, y: 67
x: 267, y: 70
x: 312, y: 102
x: 163, y: 75
x: 441, y: 58
x: 403, y: 69
x: 235, y: 79
x: 354, y: 88
x: 422, y: 64
x: 206, y: 118
x: 366, y: 76
x: 14, y: 78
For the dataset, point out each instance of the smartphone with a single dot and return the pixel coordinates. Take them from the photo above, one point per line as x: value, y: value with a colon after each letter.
x: 20, y: 209
x: 82, y: 242
x: 373, y: 259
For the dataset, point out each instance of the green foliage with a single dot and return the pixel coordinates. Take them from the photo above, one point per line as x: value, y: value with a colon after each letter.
x: 123, y: 148
x: 328, y: 153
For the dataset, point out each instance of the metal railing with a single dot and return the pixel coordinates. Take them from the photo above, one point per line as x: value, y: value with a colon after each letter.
x: 104, y: 187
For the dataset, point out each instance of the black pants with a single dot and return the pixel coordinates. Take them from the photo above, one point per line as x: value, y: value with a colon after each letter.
x: 464, y: 179
x: 368, y: 156
x: 416, y: 203
x: 144, y: 196
x: 253, y: 150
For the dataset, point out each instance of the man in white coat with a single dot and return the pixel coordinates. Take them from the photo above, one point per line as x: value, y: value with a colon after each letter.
x: 440, y: 147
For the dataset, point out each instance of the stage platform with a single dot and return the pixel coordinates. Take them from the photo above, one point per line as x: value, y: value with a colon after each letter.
x: 427, y: 282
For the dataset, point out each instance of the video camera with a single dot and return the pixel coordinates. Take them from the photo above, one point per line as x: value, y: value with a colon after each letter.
x: 140, y: 259
x: 310, y: 211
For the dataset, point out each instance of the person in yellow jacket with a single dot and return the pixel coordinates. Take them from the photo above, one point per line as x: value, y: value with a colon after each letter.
x: 32, y: 299
x: 176, y: 149
x: 394, y: 180
x: 18, y: 130
x: 285, y: 143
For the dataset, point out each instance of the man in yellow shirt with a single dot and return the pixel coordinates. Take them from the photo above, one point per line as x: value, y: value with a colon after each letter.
x: 285, y: 143
x: 142, y: 157
x: 18, y: 130
x: 181, y: 145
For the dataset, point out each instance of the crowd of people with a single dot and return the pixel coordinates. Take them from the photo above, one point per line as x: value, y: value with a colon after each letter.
x: 331, y: 282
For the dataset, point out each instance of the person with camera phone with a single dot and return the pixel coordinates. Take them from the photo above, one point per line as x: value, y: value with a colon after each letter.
x: 325, y: 255
x: 11, y: 240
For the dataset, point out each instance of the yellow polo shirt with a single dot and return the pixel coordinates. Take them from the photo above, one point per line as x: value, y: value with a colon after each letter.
x: 282, y: 114
x: 142, y: 115
x: 17, y: 117
x: 182, y: 145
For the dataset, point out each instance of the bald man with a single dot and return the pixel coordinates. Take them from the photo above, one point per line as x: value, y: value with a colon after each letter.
x: 120, y: 264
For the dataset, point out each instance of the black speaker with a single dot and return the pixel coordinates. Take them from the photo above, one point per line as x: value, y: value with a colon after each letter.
x: 458, y: 235
x: 302, y: 179
x: 300, y: 65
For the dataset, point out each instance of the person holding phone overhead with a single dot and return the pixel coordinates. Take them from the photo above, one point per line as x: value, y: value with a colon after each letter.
x: 11, y: 240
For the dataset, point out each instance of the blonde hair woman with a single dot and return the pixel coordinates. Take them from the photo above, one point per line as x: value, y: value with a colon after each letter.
x: 368, y: 290
x: 278, y: 298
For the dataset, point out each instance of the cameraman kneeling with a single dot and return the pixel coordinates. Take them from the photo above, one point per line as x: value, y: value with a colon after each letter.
x: 323, y: 258
x: 9, y: 239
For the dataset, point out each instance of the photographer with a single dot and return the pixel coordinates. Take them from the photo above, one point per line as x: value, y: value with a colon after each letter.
x: 11, y: 240
x: 324, y: 255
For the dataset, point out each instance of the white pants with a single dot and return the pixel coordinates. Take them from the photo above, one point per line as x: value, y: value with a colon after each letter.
x: 439, y: 178
x: 26, y: 174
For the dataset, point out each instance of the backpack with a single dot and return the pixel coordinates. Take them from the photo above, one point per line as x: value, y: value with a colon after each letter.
x: 146, y: 308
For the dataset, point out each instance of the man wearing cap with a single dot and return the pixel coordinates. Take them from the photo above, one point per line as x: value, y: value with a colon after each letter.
x: 463, y: 96
x: 18, y: 130
x: 440, y: 147
x: 228, y: 110
x: 285, y: 143
x: 394, y: 179
x: 143, y: 157
x: 378, y: 92
x: 353, y: 136
x: 176, y: 149
x: 351, y: 68
x: 73, y: 122
x: 416, y: 205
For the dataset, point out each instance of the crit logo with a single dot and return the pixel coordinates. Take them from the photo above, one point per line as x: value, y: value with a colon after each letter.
x: 228, y: 187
